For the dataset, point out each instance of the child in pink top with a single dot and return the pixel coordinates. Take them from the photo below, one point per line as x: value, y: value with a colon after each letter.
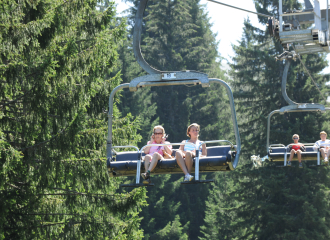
x: 158, y: 149
x: 155, y: 153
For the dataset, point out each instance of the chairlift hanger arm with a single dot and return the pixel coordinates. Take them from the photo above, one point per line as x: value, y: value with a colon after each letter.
x: 233, y: 117
x: 316, y: 108
x: 284, y: 80
x: 137, y: 39
x: 227, y: 5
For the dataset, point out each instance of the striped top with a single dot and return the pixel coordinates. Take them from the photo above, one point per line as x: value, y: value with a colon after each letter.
x: 189, y: 147
x: 321, y: 143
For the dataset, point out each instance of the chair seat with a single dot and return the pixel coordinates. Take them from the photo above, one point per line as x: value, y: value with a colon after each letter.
x: 277, y: 154
x: 211, y: 163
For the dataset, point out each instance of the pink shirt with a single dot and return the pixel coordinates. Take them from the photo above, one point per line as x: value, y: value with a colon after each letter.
x: 158, y: 149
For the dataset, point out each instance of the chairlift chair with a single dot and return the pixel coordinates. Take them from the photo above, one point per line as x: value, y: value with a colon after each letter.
x: 220, y: 158
x: 280, y: 152
x: 288, y: 30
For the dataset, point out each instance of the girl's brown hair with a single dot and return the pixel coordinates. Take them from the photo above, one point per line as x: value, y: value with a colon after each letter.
x: 192, y: 125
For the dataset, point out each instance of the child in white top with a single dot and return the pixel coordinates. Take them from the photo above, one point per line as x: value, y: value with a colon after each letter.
x: 323, y: 145
x: 186, y: 153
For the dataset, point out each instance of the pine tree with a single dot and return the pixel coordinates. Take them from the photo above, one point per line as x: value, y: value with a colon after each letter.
x: 54, y: 60
x: 270, y: 202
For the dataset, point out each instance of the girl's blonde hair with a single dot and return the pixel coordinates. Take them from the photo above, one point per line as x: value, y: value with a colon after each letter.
x: 192, y: 125
x: 295, y: 135
x: 159, y: 127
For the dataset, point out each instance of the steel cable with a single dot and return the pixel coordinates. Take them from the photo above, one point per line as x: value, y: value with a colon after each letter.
x: 302, y: 63
x: 260, y: 14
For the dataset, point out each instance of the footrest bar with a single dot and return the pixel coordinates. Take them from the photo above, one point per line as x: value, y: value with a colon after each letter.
x: 318, y: 166
x: 198, y: 181
x: 137, y: 185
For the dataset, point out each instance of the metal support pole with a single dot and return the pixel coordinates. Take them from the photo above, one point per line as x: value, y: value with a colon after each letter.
x: 318, y: 157
x: 280, y: 15
x: 268, y: 127
x: 197, y: 164
x: 110, y: 113
x: 138, y: 167
x: 285, y: 156
x: 327, y: 20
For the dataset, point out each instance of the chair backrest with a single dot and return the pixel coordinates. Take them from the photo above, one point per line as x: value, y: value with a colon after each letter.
x: 218, y: 151
x: 282, y: 149
x: 126, y: 156
x: 211, y: 151
x: 309, y: 149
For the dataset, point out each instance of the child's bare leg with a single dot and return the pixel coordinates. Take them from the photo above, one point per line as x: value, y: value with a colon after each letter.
x: 180, y: 161
x: 292, y: 154
x: 299, y: 155
x: 155, y: 158
x: 147, y: 159
x: 189, y: 161
x: 322, y: 152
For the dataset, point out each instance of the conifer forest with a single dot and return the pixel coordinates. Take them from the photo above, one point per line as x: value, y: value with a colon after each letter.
x: 59, y: 62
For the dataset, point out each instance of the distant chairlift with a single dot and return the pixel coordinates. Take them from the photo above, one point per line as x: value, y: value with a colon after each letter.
x: 287, y: 28
x: 280, y: 152
x: 219, y: 158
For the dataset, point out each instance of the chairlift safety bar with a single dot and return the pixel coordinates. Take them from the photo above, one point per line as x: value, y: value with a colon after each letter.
x: 216, y: 141
x: 276, y: 145
x: 128, y: 146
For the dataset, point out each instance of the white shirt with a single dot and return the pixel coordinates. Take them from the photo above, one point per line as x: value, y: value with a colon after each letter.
x: 320, y: 143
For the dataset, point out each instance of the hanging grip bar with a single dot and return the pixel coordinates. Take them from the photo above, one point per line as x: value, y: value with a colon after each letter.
x: 137, y: 39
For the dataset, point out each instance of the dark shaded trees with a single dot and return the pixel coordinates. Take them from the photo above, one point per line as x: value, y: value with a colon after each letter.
x: 54, y: 58
x: 270, y: 202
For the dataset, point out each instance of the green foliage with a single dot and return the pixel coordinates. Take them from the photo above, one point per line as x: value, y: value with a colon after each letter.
x: 173, y: 230
x: 270, y: 202
x: 55, y: 57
